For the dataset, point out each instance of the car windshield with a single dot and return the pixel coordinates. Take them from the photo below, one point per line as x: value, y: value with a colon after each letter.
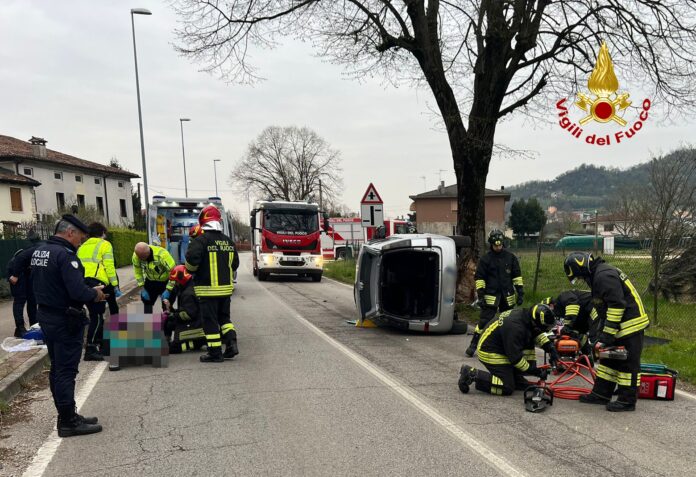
x: 291, y: 222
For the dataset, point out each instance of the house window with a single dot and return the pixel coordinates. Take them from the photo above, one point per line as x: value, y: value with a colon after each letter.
x: 120, y: 184
x: 58, y: 176
x: 28, y: 171
x: 453, y: 205
x: 100, y: 205
x: 16, y: 199
x: 608, y: 227
x: 81, y: 201
x: 78, y: 178
x: 97, y: 181
x: 124, y: 211
x: 60, y: 200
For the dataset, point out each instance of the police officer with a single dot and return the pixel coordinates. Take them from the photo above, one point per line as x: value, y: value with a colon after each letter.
x: 623, y: 321
x: 22, y: 288
x: 151, y: 267
x: 498, y: 279
x: 97, y: 257
x: 506, y: 349
x: 212, y: 259
x: 61, y: 294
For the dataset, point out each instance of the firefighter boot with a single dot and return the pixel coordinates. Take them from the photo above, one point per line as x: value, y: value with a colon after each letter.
x: 214, y: 355
x: 19, y: 331
x: 72, y: 424
x: 231, y: 349
x: 93, y: 354
x: 625, y: 401
x: 593, y: 398
x: 467, y: 375
x: 472, y: 346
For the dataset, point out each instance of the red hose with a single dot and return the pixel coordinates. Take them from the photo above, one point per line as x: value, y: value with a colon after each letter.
x: 572, y: 370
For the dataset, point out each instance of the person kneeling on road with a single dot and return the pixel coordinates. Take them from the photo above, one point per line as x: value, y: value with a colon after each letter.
x: 183, y: 327
x: 506, y: 348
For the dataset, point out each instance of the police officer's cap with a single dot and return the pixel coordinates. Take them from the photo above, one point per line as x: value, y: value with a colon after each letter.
x: 74, y: 221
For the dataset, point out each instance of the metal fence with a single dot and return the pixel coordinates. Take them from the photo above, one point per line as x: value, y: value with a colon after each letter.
x: 542, y: 269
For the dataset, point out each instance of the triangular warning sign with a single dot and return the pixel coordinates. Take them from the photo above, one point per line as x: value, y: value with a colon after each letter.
x: 371, y: 196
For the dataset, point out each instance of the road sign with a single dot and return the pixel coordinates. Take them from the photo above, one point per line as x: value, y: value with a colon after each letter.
x: 371, y: 196
x: 372, y: 215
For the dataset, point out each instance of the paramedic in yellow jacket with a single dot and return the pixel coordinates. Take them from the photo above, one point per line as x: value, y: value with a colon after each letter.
x: 151, y: 267
x: 97, y: 257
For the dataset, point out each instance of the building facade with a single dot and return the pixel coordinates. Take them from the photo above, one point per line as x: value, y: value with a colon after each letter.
x: 67, y: 180
x: 17, y: 200
x: 436, y: 210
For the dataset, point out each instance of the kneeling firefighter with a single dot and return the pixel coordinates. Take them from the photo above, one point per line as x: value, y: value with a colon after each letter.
x: 623, y: 321
x: 506, y: 349
x: 579, y: 316
x: 183, y: 327
x: 498, y: 280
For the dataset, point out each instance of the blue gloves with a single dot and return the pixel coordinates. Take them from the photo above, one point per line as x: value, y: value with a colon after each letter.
x: 117, y: 292
x: 165, y: 295
x: 144, y: 295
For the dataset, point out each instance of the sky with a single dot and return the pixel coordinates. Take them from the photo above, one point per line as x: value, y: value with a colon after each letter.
x: 67, y: 75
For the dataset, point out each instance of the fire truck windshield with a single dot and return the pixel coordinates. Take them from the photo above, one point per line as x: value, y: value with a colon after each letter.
x: 291, y: 222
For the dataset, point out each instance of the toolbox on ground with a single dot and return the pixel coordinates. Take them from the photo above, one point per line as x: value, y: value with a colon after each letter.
x: 657, y: 382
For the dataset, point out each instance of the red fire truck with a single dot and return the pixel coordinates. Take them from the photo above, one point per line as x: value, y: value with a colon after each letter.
x: 286, y: 239
x: 345, y: 234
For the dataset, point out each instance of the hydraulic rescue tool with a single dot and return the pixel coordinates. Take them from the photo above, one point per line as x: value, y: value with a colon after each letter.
x: 538, y: 396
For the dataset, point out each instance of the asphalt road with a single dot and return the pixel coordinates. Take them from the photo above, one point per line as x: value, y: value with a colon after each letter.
x: 311, y: 395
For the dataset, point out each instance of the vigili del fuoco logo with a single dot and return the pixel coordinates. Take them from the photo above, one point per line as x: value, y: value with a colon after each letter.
x: 604, y: 104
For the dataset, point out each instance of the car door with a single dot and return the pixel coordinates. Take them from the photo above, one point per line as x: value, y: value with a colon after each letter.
x: 366, y: 288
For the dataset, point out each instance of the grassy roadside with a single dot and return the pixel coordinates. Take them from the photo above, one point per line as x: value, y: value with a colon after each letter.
x: 341, y: 270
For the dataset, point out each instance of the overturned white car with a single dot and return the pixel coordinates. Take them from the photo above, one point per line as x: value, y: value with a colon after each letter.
x: 409, y: 282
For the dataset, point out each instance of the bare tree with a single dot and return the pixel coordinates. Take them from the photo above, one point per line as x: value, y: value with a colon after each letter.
x: 623, y: 206
x: 289, y: 163
x: 487, y: 57
x: 667, y: 210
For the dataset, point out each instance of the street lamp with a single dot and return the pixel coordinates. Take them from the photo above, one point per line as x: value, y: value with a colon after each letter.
x: 141, y: 11
x: 215, y: 170
x: 181, y: 123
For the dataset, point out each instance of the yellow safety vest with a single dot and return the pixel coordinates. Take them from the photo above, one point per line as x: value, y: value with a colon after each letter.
x: 97, y: 256
x: 156, y: 270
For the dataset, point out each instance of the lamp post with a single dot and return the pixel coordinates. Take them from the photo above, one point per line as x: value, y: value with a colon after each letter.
x: 215, y: 161
x: 183, y: 153
x: 141, y: 11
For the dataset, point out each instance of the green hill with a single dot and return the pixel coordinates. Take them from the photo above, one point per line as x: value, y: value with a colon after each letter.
x: 585, y: 187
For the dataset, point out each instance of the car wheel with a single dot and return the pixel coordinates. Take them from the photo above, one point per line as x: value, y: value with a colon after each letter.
x: 316, y: 278
x: 262, y: 276
x: 458, y: 327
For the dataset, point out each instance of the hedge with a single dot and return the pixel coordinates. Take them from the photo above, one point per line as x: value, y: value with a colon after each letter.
x: 123, y: 241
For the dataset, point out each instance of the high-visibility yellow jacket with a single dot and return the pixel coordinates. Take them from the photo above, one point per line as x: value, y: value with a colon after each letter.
x: 156, y: 268
x: 97, y: 256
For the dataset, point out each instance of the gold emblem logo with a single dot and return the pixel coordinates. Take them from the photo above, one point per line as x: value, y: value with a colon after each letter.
x: 604, y: 103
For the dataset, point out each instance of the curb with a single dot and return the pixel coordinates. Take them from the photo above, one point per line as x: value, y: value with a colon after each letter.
x: 11, y: 385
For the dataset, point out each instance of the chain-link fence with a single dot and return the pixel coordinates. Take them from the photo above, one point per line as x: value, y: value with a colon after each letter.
x: 542, y: 269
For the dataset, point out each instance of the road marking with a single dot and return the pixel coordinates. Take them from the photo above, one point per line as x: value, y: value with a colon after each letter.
x: 336, y: 281
x: 46, y: 452
x: 685, y: 394
x: 502, y: 465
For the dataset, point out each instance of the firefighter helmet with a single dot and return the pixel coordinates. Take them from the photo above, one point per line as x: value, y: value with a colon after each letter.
x: 180, y: 275
x: 209, y: 214
x: 496, y: 237
x: 577, y: 265
x: 195, y: 231
x: 543, y: 316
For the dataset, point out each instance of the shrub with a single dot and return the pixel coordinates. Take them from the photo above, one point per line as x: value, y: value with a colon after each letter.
x: 123, y: 241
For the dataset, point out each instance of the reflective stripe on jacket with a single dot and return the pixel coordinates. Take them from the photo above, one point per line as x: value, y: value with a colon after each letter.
x: 97, y: 256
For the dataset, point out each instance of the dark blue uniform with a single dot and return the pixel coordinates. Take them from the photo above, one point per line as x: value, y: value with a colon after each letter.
x: 22, y: 291
x: 59, y: 285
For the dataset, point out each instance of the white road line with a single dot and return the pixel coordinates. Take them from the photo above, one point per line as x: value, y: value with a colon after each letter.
x: 406, y: 393
x: 685, y: 394
x: 336, y: 281
x: 46, y: 452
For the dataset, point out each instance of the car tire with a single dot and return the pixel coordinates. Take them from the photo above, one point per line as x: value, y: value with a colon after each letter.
x: 262, y: 276
x: 458, y: 327
x: 316, y: 278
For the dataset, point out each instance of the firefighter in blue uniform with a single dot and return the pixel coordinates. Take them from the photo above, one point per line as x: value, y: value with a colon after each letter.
x: 61, y: 294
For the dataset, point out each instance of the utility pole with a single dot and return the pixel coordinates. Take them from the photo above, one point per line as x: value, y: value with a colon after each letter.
x: 321, y: 202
